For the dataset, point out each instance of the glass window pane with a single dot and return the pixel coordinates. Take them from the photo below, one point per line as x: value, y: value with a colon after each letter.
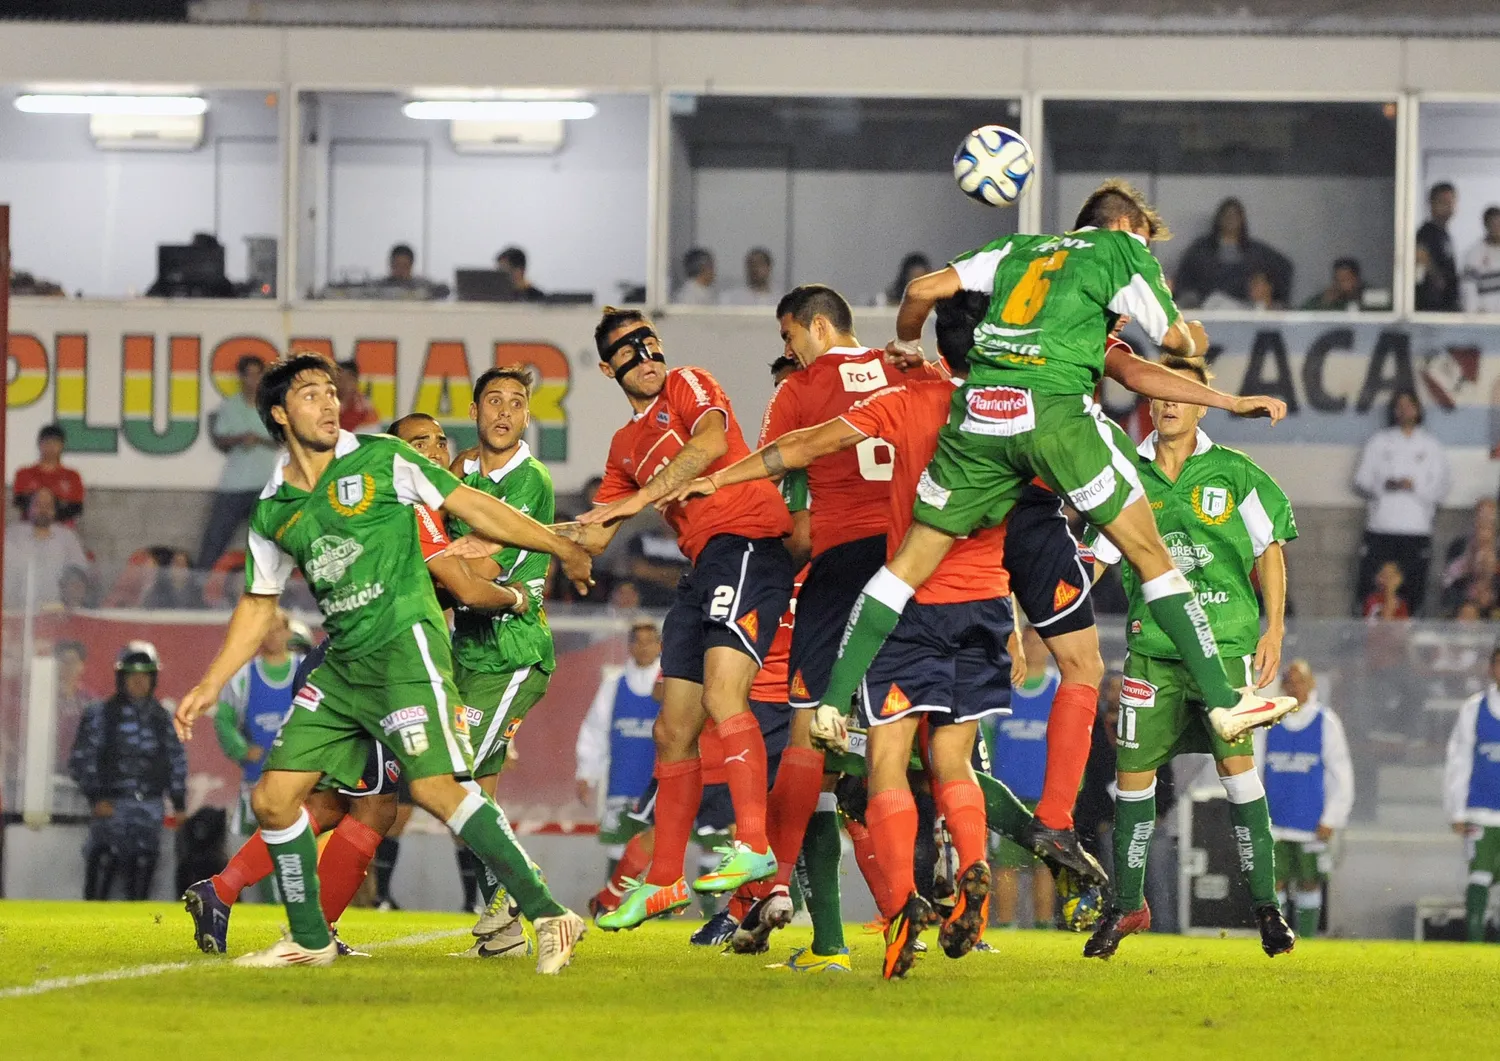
x: 1458, y: 184
x: 1314, y: 182
x: 453, y: 183
x: 837, y: 190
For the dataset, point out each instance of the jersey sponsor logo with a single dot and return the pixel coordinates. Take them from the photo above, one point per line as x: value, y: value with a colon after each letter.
x: 750, y: 623
x: 1095, y: 492
x: 471, y: 716
x: 433, y: 530
x: 350, y: 495
x: 354, y: 599
x: 691, y: 379
x: 409, y: 724
x: 863, y: 377
x: 1292, y: 762
x: 1212, y: 505
x: 895, y: 702
x: 930, y: 493
x: 332, y: 557
x: 1187, y: 556
x: 1064, y: 595
x: 1137, y: 692
x: 998, y: 411
x: 799, y: 687
x: 308, y: 697
x: 1135, y: 626
x: 1213, y: 596
x: 511, y: 728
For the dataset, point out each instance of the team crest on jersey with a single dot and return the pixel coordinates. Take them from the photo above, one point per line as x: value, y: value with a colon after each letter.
x: 799, y: 687
x: 663, y: 417
x: 350, y: 495
x: 1064, y: 595
x: 750, y: 623
x: 1212, y: 504
x: 392, y: 771
x: 1135, y: 626
x: 895, y: 702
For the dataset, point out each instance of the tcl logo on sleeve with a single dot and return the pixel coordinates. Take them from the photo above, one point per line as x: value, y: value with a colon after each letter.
x: 1000, y: 411
x: 1135, y: 692
x: 863, y: 376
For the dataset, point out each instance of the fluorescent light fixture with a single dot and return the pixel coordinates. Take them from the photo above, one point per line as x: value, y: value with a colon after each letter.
x: 498, y: 110
x: 150, y: 106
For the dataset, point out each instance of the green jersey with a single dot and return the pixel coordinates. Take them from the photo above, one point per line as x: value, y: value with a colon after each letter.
x: 1049, y: 299
x: 355, y: 540
x: 1220, y: 515
x: 505, y: 642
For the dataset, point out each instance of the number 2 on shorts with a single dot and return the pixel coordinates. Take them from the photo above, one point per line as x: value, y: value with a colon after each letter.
x: 1026, y: 298
x: 722, y: 604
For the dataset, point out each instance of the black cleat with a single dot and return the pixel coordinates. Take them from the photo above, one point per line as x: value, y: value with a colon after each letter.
x: 1276, y: 936
x: 1059, y: 848
x: 901, y: 936
x: 1115, y: 926
x: 971, y: 909
x: 716, y: 931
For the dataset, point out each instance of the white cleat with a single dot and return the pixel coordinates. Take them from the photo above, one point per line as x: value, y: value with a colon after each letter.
x: 509, y: 942
x: 555, y: 939
x: 498, y: 916
x: 1253, y: 710
x: 286, y: 952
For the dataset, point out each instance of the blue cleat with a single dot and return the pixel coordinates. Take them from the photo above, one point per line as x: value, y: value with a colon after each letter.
x: 210, y: 916
x: 716, y: 931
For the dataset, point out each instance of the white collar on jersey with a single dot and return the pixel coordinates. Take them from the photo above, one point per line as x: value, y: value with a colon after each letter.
x: 636, y: 416
x: 846, y: 351
x: 1147, y: 448
x: 523, y: 451
x: 1133, y: 235
x: 348, y: 442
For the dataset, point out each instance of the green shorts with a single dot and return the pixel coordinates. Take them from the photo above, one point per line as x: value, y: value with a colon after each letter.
x: 400, y: 694
x: 1011, y: 855
x: 1301, y: 861
x: 1162, y: 715
x: 495, y: 703
x: 997, y: 439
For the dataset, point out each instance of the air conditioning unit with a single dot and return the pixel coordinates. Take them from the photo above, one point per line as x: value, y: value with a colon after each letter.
x: 146, y: 132
x: 506, y: 138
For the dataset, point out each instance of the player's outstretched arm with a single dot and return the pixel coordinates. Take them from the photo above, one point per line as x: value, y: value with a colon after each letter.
x: 1271, y: 567
x: 497, y: 521
x: 473, y: 591
x: 1153, y: 380
x: 795, y: 449
x: 710, y: 441
x: 251, y: 620
x: 917, y: 301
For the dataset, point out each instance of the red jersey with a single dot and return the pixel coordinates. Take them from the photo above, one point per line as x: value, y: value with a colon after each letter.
x: 909, y: 418
x: 643, y: 447
x: 770, y: 684
x: 847, y: 490
x: 430, y: 534
x: 65, y: 484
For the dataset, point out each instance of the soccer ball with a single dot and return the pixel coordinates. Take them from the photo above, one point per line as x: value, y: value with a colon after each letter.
x: 993, y: 165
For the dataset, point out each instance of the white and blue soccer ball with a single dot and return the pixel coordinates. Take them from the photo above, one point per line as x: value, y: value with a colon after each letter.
x: 993, y: 165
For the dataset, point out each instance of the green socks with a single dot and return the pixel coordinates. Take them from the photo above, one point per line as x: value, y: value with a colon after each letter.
x: 480, y: 823
x: 1252, y: 834
x: 1135, y: 823
x: 1004, y: 813
x: 1175, y: 608
x: 1476, y: 899
x: 294, y: 856
x: 1309, y: 907
x: 822, y: 850
x: 874, y: 616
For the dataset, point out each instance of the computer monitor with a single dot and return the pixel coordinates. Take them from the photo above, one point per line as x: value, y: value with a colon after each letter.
x: 484, y: 285
x: 190, y: 264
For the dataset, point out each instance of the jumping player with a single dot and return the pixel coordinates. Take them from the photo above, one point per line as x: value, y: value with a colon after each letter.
x: 716, y: 635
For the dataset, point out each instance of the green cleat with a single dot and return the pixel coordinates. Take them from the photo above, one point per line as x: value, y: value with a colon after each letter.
x: 739, y: 866
x: 642, y: 902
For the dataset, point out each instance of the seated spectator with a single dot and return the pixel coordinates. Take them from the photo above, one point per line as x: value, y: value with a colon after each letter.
x: 29, y: 284
x: 1345, y: 291
x: 76, y: 589
x: 1462, y: 560
x: 73, y: 698
x: 38, y: 550
x: 355, y: 411
x: 49, y: 471
x: 401, y: 279
x: 1437, y: 271
x: 1481, y: 275
x: 237, y: 432
x: 512, y: 262
x: 176, y: 584
x: 1385, y: 601
x: 401, y: 265
x: 912, y: 266
x: 698, y: 289
x: 757, y: 290
x: 1223, y: 260
x: 1263, y: 292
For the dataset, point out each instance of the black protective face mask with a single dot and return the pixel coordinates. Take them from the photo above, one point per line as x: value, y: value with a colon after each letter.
x: 636, y: 340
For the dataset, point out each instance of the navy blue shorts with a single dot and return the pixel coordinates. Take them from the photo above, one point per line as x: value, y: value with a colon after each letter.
x: 947, y: 660
x: 833, y: 583
x: 735, y: 595
x: 382, y: 775
x: 1047, y: 578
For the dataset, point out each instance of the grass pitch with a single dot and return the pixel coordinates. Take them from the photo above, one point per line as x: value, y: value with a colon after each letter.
x: 648, y: 994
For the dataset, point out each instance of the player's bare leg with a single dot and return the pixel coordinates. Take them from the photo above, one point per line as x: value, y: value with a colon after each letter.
x: 1176, y: 610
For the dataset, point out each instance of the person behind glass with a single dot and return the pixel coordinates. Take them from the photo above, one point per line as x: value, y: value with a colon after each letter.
x: 39, y: 553
x: 175, y: 585
x: 125, y: 760
x: 757, y: 290
x: 1346, y: 290
x: 50, y: 472
x: 1403, y: 473
x: 355, y: 411
x: 1437, y: 269
x: 698, y: 289
x: 512, y: 262
x: 250, y: 456
x: 1222, y: 261
x: 1261, y: 292
x: 912, y: 266
x: 1471, y: 556
x: 74, y: 698
x: 1480, y: 286
x: 1471, y: 794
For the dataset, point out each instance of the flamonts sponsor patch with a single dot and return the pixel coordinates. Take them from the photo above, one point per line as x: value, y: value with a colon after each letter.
x: 1137, y: 692
x: 998, y: 411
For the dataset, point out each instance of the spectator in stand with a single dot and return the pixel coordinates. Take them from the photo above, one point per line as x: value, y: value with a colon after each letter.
x: 401, y: 265
x: 625, y: 597
x: 355, y: 411
x: 175, y: 584
x: 38, y: 552
x: 912, y: 266
x: 250, y: 457
x: 1437, y: 271
x: 757, y: 290
x: 73, y: 698
x: 1403, y: 472
x: 1222, y: 261
x: 1385, y: 600
x: 1345, y: 291
x: 1481, y: 275
x: 512, y: 262
x: 1471, y: 794
x: 76, y: 589
x: 1263, y: 293
x: 698, y: 289
x: 49, y: 471
x: 1470, y: 555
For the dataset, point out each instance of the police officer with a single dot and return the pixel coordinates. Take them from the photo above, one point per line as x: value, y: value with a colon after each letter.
x: 125, y: 759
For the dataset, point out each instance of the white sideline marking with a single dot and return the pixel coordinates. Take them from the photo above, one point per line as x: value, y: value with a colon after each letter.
x: 62, y: 983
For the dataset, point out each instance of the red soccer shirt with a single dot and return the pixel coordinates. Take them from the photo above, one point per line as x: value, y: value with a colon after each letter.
x: 65, y: 484
x: 430, y: 533
x: 770, y: 684
x: 847, y: 490
x: 909, y: 418
x: 643, y: 447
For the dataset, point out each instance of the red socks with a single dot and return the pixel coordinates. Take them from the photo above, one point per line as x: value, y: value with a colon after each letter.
x: 962, y: 806
x: 1069, y: 729
x: 892, y: 820
x: 251, y: 864
x: 341, y: 870
x: 745, y: 772
x: 633, y: 861
x: 679, y: 790
x: 869, y: 867
x: 799, y: 781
